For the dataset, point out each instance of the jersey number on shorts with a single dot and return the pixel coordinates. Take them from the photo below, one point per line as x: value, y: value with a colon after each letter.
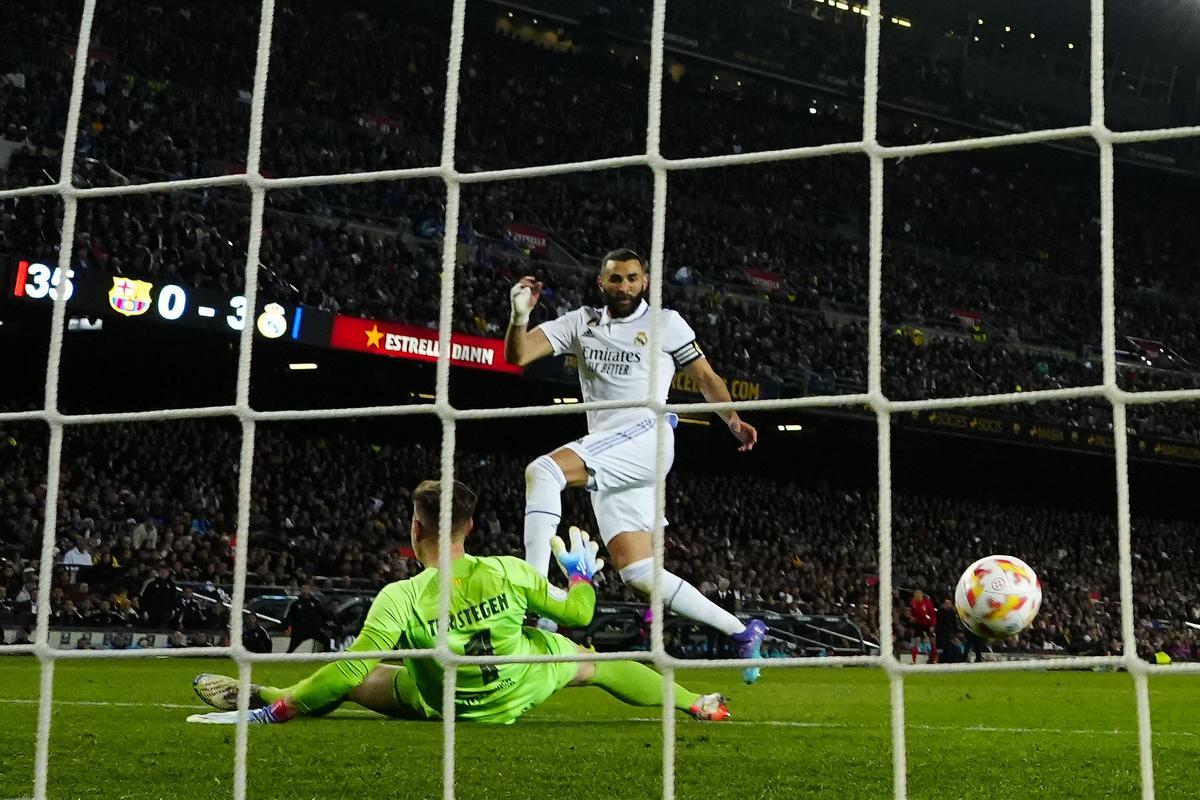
x: 481, y: 645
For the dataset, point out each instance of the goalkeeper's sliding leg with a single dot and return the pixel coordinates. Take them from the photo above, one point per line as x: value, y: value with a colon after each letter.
x: 391, y: 691
x: 492, y: 596
x: 387, y: 690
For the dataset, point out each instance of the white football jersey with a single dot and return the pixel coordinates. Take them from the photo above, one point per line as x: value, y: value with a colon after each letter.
x: 613, y: 357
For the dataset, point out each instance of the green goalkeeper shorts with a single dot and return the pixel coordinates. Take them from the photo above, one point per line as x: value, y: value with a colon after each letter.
x: 408, y: 698
x: 549, y: 676
x: 537, y: 682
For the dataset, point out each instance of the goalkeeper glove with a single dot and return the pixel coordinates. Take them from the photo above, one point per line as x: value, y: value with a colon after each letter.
x: 524, y: 298
x: 580, y: 563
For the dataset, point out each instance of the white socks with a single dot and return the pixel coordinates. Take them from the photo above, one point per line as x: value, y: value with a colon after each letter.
x: 544, y: 483
x: 678, y: 595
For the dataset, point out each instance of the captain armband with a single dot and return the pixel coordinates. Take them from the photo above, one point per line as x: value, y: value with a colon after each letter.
x: 687, y: 354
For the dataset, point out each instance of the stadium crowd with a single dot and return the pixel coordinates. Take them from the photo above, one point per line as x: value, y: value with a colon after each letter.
x: 157, y: 108
x: 809, y: 350
x: 148, y: 509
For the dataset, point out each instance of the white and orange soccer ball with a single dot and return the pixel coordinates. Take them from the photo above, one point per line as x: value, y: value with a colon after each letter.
x: 998, y: 597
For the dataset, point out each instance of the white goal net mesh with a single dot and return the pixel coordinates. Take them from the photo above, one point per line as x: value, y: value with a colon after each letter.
x: 448, y: 415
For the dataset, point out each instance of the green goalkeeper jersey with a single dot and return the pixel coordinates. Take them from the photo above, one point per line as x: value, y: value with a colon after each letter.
x: 489, y: 597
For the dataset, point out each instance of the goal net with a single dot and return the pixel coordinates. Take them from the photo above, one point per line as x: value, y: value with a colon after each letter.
x: 660, y: 167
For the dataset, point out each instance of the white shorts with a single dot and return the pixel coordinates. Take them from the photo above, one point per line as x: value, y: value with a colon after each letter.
x: 620, y: 465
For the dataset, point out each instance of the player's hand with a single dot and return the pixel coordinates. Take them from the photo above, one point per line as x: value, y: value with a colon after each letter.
x: 524, y: 295
x: 581, y: 561
x: 745, y: 433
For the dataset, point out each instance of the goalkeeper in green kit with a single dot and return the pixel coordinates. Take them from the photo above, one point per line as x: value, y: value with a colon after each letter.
x: 489, y: 597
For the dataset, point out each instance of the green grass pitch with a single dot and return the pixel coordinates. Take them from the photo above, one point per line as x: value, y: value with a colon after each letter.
x: 119, y: 732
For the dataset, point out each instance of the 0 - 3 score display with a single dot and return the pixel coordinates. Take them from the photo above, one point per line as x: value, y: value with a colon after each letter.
x: 128, y: 297
x: 101, y: 294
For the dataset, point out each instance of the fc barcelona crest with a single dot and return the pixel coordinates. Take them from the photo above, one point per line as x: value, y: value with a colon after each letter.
x: 130, y: 297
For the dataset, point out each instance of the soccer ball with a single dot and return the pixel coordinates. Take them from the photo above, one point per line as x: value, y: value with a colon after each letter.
x: 998, y: 597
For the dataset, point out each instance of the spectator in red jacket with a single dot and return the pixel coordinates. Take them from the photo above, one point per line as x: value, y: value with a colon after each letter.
x: 923, y: 615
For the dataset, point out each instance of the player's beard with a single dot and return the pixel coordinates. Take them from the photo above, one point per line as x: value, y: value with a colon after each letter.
x: 618, y: 307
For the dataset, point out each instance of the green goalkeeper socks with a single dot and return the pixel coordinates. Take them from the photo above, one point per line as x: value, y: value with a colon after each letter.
x: 636, y: 684
x: 269, y: 694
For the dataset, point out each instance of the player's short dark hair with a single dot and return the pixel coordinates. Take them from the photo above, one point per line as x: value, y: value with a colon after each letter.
x: 427, y: 505
x: 623, y: 254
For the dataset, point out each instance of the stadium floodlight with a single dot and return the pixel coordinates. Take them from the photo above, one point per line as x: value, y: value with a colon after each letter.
x: 301, y: 366
x: 791, y: 428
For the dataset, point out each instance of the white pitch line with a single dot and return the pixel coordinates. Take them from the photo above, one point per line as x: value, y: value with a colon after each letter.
x: 775, y: 723
x: 934, y: 728
x: 57, y: 702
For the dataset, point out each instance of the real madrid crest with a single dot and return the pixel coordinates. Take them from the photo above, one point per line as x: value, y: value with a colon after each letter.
x: 640, y: 339
x: 271, y: 322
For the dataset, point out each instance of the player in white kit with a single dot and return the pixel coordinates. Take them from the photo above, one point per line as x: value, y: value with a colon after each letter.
x: 615, y: 461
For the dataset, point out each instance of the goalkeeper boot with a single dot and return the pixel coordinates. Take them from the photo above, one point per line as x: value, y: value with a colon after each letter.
x: 749, y: 645
x: 221, y: 691
x: 709, y: 708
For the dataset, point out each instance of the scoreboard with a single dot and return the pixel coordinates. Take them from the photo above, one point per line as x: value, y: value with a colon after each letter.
x: 97, y: 294
x: 100, y: 294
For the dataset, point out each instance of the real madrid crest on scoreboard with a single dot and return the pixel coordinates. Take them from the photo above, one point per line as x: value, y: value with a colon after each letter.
x: 272, y: 322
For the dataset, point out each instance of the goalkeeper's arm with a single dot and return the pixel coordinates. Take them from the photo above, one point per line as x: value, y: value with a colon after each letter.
x: 573, y: 610
x: 580, y: 564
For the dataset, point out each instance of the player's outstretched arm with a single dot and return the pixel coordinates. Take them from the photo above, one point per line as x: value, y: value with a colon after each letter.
x: 580, y: 564
x: 523, y: 346
x: 715, y: 391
